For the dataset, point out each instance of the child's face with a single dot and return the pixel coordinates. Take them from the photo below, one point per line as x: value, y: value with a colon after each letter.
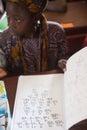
x: 19, y: 19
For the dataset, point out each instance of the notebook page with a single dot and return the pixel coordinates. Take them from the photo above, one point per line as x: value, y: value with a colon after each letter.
x: 39, y: 103
x: 75, y: 81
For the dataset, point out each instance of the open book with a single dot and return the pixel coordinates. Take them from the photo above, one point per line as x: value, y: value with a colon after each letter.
x: 53, y: 101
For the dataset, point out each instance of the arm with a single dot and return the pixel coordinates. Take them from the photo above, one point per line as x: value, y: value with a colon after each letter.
x: 63, y: 52
x: 58, y: 46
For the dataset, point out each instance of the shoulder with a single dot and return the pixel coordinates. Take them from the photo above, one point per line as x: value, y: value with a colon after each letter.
x: 55, y: 26
x: 56, y: 32
x: 57, y: 36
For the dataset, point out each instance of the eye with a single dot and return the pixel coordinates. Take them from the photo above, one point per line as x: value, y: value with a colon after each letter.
x: 18, y: 20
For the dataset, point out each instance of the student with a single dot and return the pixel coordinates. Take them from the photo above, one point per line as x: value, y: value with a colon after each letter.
x: 31, y: 44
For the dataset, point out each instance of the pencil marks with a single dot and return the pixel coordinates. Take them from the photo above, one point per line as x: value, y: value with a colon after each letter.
x: 39, y: 104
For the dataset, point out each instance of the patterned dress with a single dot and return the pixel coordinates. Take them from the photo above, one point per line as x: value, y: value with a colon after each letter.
x: 31, y: 50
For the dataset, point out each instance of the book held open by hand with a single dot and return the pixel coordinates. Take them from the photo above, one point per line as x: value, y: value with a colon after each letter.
x: 53, y: 101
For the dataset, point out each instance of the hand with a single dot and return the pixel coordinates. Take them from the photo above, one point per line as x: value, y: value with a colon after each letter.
x: 82, y: 125
x: 3, y: 73
x: 62, y: 64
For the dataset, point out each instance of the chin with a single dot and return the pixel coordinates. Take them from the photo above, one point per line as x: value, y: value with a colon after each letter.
x: 19, y: 34
x: 12, y: 31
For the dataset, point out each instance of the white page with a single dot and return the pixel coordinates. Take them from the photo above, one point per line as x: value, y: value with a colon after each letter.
x: 75, y: 81
x: 39, y: 103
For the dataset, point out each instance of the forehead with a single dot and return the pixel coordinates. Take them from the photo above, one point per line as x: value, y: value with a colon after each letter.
x: 13, y: 8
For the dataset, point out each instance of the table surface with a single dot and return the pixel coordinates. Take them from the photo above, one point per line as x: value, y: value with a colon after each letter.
x: 11, y: 86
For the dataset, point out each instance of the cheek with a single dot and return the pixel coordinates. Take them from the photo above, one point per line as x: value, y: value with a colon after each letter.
x: 26, y: 27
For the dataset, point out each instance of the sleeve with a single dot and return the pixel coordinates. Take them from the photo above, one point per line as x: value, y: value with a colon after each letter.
x: 58, y: 44
x: 61, y: 43
x: 62, y: 49
x: 58, y: 40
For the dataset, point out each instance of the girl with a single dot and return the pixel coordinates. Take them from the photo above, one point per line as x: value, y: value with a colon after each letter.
x: 31, y: 43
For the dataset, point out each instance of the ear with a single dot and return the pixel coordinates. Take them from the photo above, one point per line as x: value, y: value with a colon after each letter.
x: 36, y: 17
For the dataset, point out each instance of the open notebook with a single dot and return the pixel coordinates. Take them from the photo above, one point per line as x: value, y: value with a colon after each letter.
x: 53, y: 101
x: 5, y: 115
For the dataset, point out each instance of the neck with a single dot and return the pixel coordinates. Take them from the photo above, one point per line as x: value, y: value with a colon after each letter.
x: 34, y: 34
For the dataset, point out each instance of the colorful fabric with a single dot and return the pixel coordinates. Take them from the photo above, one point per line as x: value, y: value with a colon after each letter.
x: 18, y: 54
x: 5, y: 116
x: 32, y: 50
x: 18, y: 49
x: 34, y: 6
x: 38, y: 6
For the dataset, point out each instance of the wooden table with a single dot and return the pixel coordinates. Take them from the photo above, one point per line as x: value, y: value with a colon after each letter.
x: 11, y: 86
